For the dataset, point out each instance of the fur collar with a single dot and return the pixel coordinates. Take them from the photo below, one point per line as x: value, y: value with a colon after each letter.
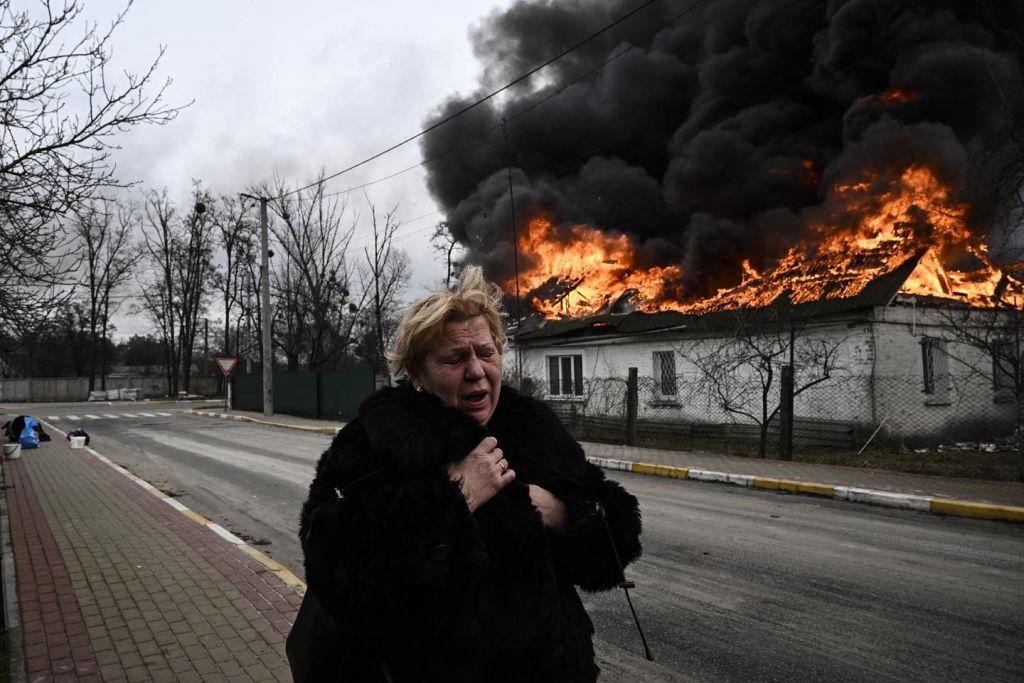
x: 412, y: 429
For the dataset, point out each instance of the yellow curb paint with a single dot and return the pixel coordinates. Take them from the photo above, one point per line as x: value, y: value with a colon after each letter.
x: 963, y: 508
x: 264, y: 559
x: 794, y: 486
x: 660, y: 470
x: 282, y: 572
x: 196, y: 517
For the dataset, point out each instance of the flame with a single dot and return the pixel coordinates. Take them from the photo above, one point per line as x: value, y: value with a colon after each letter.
x: 914, y: 216
x: 899, y: 94
x: 586, y: 272
x: 911, y: 217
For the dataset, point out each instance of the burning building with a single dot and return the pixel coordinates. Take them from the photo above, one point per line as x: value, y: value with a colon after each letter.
x: 857, y: 164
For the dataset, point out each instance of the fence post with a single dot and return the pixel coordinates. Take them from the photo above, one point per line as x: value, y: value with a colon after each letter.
x: 631, y: 408
x: 786, y: 414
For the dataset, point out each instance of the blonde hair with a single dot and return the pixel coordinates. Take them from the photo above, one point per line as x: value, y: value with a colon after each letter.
x: 423, y: 324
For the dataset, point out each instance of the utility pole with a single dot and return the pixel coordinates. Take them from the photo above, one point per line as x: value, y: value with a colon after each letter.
x: 268, y: 355
x: 515, y: 251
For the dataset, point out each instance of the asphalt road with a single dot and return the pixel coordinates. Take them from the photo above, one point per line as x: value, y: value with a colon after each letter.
x: 734, y: 584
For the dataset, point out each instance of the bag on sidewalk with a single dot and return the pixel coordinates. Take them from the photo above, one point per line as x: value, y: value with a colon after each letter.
x: 29, y: 437
x: 79, y: 432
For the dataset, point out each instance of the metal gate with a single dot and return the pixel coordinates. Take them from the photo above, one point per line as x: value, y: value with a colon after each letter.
x: 330, y: 395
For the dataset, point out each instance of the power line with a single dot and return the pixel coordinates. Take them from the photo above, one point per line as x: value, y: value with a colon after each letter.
x: 368, y: 184
x: 478, y: 102
x: 512, y: 117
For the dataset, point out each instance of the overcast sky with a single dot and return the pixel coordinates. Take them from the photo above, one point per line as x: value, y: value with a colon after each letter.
x: 295, y: 87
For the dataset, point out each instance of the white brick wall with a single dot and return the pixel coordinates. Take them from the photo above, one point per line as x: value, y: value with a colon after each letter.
x: 879, y: 377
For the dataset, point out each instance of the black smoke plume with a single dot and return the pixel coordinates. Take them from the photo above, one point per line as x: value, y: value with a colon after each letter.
x: 710, y: 131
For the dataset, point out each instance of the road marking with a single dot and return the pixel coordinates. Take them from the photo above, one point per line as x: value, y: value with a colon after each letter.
x: 164, y: 414
x: 147, y: 414
x: 129, y: 414
x: 73, y: 417
x: 53, y: 417
x: 111, y: 416
x: 93, y: 417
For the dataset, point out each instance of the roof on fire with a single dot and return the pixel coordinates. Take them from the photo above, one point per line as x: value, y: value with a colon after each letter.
x: 879, y: 292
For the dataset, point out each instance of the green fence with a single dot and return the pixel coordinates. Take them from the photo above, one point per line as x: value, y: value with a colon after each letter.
x: 330, y: 395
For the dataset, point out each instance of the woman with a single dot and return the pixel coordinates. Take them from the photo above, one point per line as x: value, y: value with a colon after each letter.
x: 449, y: 524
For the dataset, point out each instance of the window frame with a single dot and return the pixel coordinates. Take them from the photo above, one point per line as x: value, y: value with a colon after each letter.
x: 658, y: 372
x: 559, y: 385
x: 935, y: 371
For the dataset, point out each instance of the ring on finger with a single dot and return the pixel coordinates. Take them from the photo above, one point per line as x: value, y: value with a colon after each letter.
x: 503, y: 464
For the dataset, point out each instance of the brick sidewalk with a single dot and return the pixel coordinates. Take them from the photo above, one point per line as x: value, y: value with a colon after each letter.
x: 114, y: 584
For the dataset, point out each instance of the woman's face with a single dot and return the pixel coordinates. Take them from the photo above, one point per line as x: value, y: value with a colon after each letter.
x: 464, y: 369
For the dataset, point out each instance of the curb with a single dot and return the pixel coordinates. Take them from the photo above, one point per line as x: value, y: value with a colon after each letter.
x: 905, y: 501
x: 945, y: 506
x: 12, y: 613
x: 246, y: 418
x: 277, y: 568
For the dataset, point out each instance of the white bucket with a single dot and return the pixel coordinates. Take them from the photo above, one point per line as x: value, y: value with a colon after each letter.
x: 77, y: 441
x: 12, y: 451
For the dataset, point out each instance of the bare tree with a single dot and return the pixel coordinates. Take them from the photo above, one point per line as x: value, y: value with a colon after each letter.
x: 384, y: 276
x: 238, y: 237
x: 103, y: 230
x: 313, y: 278
x: 737, y: 373
x: 181, y: 254
x: 60, y: 108
x: 159, y: 243
x: 250, y: 316
x: 290, y: 313
x: 194, y: 275
x: 443, y: 242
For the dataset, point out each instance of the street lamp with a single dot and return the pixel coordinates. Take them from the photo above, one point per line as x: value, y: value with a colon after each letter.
x: 268, y: 369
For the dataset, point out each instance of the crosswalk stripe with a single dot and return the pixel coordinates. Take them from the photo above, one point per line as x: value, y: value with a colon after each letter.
x: 111, y: 416
x: 164, y: 414
x: 72, y: 417
x: 93, y: 417
x: 53, y: 417
x: 129, y: 414
x: 147, y: 414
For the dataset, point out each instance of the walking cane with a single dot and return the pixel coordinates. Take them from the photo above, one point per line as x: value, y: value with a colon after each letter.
x: 625, y: 585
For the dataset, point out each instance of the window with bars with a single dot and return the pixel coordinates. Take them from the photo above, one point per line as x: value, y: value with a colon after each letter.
x: 665, y: 373
x: 565, y: 375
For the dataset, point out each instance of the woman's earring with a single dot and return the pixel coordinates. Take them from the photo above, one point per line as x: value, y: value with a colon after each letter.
x: 419, y: 389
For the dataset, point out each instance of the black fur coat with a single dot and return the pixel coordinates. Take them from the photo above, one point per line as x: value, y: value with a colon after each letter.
x: 423, y: 588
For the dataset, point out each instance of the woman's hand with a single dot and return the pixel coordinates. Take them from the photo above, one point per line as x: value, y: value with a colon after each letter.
x: 482, y: 473
x: 551, y: 509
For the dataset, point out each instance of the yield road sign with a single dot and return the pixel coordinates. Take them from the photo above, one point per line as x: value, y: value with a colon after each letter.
x: 226, y: 365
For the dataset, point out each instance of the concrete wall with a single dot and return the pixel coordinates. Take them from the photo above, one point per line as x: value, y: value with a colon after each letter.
x: 845, y: 397
x: 878, y: 379
x: 69, y: 389
x: 967, y: 406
